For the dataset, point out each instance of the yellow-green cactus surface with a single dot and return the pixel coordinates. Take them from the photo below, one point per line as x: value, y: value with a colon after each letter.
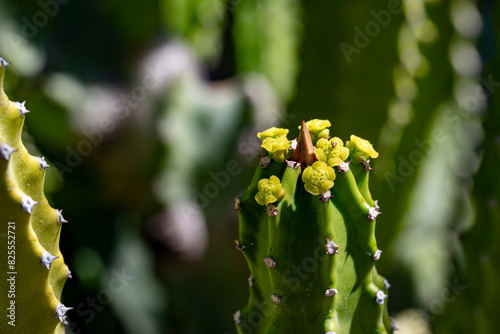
x: 30, y: 230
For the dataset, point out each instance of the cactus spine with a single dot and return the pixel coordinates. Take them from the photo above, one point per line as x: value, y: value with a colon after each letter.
x: 31, y: 256
x: 307, y: 233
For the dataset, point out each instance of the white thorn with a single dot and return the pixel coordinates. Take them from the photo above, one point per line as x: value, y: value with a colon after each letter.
x: 376, y: 205
x: 325, y: 197
x: 27, y: 203
x: 43, y: 164
x: 239, y: 246
x: 60, y: 313
x: 250, y: 281
x: 264, y: 161
x: 47, y: 259
x: 68, y: 274
x: 292, y: 164
x: 4, y: 63
x: 237, y: 317
x: 331, y: 247
x: 377, y: 254
x: 237, y: 204
x: 60, y: 218
x: 22, y: 109
x: 331, y: 292
x: 270, y: 263
x: 343, y: 167
x: 272, y: 210
x: 330, y: 332
x: 380, y: 297
x: 366, y: 165
x: 6, y: 151
x: 373, y: 213
x: 275, y: 299
x: 387, y: 285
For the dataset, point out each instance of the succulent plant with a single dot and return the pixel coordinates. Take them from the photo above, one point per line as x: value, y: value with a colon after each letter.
x: 307, y: 231
x: 31, y: 257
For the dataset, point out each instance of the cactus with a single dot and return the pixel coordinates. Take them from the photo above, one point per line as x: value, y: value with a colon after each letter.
x: 31, y: 257
x: 307, y: 231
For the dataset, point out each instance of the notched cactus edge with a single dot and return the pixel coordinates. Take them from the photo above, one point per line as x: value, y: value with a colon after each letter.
x: 307, y: 231
x: 40, y: 271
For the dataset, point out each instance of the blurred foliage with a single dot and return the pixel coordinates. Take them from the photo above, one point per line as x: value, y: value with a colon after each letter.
x: 476, y: 268
x: 143, y: 170
x: 427, y: 134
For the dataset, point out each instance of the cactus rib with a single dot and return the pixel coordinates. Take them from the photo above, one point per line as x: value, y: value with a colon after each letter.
x: 312, y: 264
x: 39, y: 272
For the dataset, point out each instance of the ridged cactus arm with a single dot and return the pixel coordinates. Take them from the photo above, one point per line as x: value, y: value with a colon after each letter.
x: 312, y: 248
x: 253, y: 236
x: 361, y: 152
x: 39, y: 268
x: 31, y: 291
x: 304, y: 273
x: 358, y: 256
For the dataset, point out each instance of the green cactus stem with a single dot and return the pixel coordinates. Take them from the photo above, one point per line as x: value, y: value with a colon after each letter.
x: 312, y: 264
x: 31, y: 256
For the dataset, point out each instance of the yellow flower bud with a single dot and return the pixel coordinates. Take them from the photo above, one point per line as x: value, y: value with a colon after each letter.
x: 270, y: 191
x: 318, y: 178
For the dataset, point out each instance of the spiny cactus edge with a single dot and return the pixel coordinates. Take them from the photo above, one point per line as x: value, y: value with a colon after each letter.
x: 31, y: 257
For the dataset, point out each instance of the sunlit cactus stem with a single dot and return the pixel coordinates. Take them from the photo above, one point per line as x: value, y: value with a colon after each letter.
x: 312, y: 261
x: 31, y: 257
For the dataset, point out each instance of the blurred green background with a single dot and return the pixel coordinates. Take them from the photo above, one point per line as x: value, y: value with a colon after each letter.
x: 148, y: 114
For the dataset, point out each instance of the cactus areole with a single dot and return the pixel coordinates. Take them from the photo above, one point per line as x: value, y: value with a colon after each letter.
x: 312, y: 261
x: 29, y: 254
